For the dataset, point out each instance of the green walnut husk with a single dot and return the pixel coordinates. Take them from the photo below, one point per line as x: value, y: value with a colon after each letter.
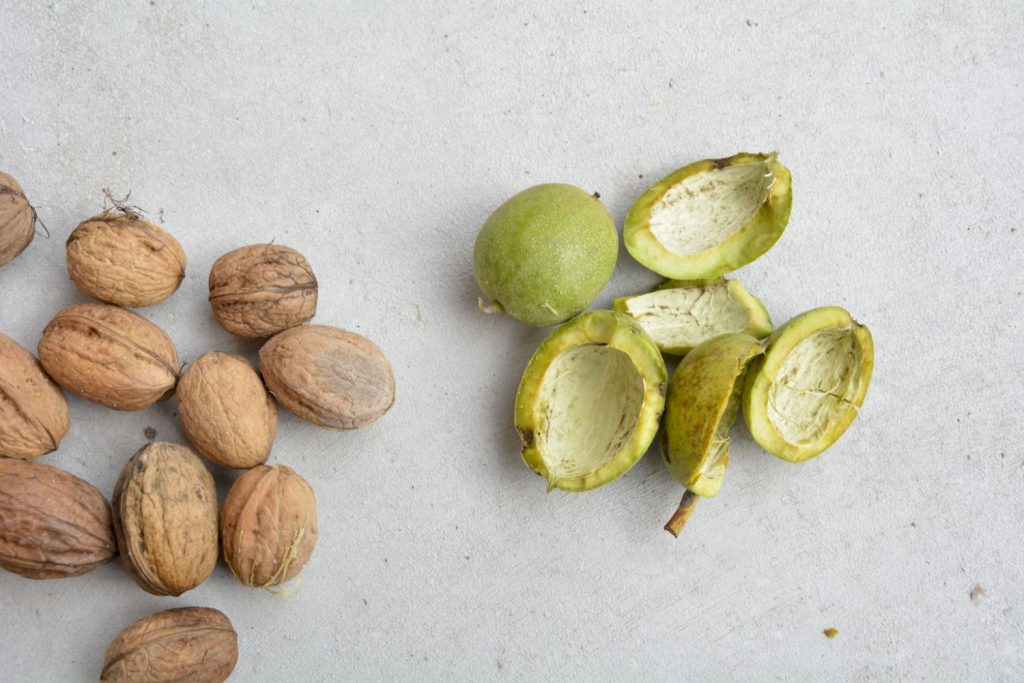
x: 590, y: 400
x: 681, y: 314
x: 711, y: 217
x: 703, y: 401
x: 805, y: 391
x: 545, y: 254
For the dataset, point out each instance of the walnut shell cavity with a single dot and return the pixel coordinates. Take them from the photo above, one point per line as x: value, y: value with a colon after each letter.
x: 194, y: 644
x: 259, y: 290
x: 52, y: 524
x: 328, y: 376
x: 268, y: 526
x: 33, y: 411
x: 109, y: 355
x: 122, y: 259
x: 226, y: 411
x: 17, y: 219
x: 165, y: 517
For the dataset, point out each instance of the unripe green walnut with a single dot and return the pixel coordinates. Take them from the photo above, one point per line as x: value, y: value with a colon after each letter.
x: 545, y: 254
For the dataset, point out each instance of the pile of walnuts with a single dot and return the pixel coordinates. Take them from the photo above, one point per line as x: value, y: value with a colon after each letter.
x: 163, y: 518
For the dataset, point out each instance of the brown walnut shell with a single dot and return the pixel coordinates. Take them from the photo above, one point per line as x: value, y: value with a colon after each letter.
x: 330, y: 377
x: 122, y: 259
x: 52, y: 524
x: 17, y: 219
x: 193, y: 644
x: 268, y: 526
x: 261, y: 289
x: 165, y: 516
x: 33, y: 412
x: 109, y: 355
x: 226, y: 411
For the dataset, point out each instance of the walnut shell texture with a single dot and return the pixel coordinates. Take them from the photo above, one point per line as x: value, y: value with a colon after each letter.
x: 52, y: 524
x: 261, y: 289
x: 165, y: 517
x: 33, y: 412
x: 268, y: 526
x: 109, y: 355
x: 328, y: 376
x: 17, y: 219
x: 226, y: 411
x: 189, y: 644
x: 123, y: 259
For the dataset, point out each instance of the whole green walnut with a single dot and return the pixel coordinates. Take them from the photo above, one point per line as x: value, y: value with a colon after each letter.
x: 545, y: 254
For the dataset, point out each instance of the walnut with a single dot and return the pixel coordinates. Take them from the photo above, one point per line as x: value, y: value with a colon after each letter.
x: 33, y: 412
x: 328, y: 376
x: 261, y: 289
x: 268, y: 526
x: 52, y: 524
x: 226, y: 411
x: 194, y: 644
x: 120, y: 258
x: 17, y: 219
x: 165, y: 516
x: 109, y: 355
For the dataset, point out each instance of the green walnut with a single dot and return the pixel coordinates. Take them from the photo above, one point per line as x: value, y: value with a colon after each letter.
x: 681, y: 314
x: 805, y: 391
x: 710, y: 217
x: 703, y: 401
x: 590, y: 400
x: 545, y: 254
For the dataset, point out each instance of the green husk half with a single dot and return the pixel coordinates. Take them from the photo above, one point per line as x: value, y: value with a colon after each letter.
x: 590, y: 400
x: 710, y: 217
x: 805, y: 391
x: 680, y: 314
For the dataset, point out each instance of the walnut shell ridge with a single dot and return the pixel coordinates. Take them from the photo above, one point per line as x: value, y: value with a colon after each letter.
x: 17, y: 219
x: 123, y: 259
x: 194, y: 644
x: 165, y: 517
x: 328, y: 376
x: 52, y: 524
x: 259, y: 290
x: 268, y: 526
x: 225, y: 410
x: 109, y: 355
x: 33, y: 411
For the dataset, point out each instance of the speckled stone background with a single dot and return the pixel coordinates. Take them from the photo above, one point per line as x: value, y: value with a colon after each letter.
x: 376, y: 137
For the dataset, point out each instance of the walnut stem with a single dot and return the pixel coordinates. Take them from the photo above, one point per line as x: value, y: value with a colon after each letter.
x: 679, y: 519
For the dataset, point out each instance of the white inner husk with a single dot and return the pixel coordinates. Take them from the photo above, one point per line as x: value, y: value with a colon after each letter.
x: 815, y: 385
x: 686, y: 316
x: 714, y: 466
x: 707, y: 208
x: 590, y: 401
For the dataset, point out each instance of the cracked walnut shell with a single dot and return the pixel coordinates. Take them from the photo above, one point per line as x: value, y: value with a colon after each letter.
x: 165, y: 516
x: 123, y: 259
x: 52, y: 524
x: 194, y: 644
x: 268, y: 526
x: 109, y: 355
x: 261, y: 289
x: 226, y: 411
x: 33, y: 412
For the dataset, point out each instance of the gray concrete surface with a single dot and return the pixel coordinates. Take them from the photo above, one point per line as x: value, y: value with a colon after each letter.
x: 376, y: 137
